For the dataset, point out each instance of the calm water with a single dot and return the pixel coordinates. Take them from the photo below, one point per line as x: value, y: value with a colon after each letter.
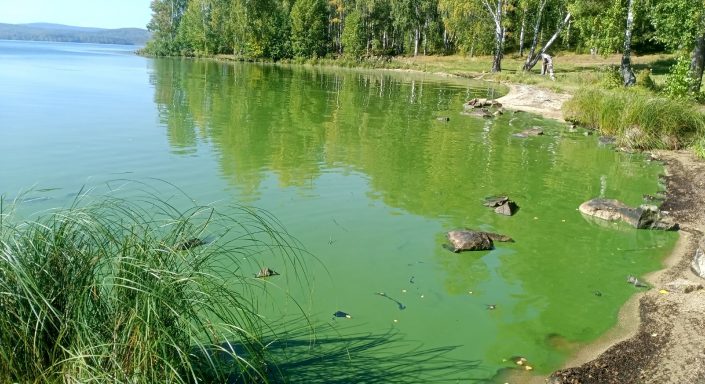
x: 355, y: 166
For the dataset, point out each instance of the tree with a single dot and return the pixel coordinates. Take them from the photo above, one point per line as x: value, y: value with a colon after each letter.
x: 164, y: 25
x: 353, y: 38
x: 680, y: 24
x: 626, y: 65
x: 309, y: 28
x: 532, y: 58
x: 497, y: 13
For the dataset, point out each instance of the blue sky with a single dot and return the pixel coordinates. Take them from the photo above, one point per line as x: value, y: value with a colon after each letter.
x: 84, y: 13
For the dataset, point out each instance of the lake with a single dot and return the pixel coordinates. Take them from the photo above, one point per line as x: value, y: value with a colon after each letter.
x: 356, y: 166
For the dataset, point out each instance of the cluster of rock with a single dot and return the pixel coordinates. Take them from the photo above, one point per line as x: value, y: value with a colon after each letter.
x: 482, y: 108
x: 642, y: 217
x: 471, y: 240
x: 502, y: 205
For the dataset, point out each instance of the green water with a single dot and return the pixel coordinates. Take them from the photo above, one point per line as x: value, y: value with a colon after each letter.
x: 356, y: 166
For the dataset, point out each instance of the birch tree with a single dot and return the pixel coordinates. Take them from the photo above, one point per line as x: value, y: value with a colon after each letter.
x: 626, y: 66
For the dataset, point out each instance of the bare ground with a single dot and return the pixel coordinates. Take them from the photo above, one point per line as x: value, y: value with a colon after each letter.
x: 536, y: 100
x: 660, y: 334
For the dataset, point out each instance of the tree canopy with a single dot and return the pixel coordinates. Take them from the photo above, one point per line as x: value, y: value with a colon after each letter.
x: 278, y: 29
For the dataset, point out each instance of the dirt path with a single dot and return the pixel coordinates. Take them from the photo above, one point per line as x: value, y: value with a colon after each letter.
x: 660, y: 334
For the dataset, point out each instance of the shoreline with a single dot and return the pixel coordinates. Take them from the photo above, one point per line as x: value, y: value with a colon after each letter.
x: 658, y: 335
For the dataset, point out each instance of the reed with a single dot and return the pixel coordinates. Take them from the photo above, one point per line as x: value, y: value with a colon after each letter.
x: 117, y: 291
x: 637, y: 119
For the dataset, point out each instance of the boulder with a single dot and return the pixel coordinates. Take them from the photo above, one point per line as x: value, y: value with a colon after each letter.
x: 507, y: 209
x: 469, y: 240
x: 683, y: 286
x: 643, y: 217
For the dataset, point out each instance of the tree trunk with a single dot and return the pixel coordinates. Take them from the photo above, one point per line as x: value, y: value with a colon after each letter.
x: 498, y: 34
x: 416, y: 42
x: 531, y: 62
x: 521, y: 34
x: 697, y: 64
x: 535, y: 40
x: 626, y: 68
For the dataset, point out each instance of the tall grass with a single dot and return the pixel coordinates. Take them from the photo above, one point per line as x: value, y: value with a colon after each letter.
x: 637, y: 119
x: 112, y: 291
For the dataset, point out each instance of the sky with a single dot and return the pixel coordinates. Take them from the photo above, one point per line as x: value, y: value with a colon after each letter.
x: 82, y: 13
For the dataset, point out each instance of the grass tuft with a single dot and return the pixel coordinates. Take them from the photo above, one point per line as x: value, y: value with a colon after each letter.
x: 114, y: 291
x: 638, y: 119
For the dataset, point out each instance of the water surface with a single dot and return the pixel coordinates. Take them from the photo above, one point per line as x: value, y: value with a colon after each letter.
x: 356, y: 166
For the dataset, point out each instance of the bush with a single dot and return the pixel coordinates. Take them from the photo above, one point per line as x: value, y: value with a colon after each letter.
x: 112, y: 292
x: 643, y: 79
x: 637, y: 119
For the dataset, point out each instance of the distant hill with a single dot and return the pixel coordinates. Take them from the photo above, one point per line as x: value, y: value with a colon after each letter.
x: 72, y: 34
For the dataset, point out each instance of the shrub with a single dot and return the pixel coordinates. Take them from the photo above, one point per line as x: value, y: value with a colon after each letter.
x: 115, y: 292
x: 643, y: 79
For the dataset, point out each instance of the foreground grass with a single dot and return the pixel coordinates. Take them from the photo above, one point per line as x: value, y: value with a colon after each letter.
x: 115, y: 292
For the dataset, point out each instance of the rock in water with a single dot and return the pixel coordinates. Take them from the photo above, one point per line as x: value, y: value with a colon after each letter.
x: 643, y: 217
x: 507, y: 209
x: 468, y: 240
x: 495, y: 201
x: 534, y: 131
x: 266, y: 272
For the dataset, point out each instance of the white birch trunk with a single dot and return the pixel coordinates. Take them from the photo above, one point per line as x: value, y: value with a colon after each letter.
x: 532, y: 62
x: 626, y: 67
x: 534, y: 41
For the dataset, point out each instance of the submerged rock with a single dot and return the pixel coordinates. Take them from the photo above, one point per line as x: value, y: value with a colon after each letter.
x: 643, y: 217
x: 481, y: 112
x: 469, y: 240
x: 531, y: 132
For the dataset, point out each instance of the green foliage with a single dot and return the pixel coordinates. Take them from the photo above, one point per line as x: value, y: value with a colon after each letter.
x: 611, y: 77
x: 679, y: 80
x: 113, y: 292
x: 639, y: 120
x: 309, y: 29
x: 644, y: 80
x: 353, y: 38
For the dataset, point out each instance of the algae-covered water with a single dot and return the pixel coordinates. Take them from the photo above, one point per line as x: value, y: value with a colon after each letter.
x: 357, y: 167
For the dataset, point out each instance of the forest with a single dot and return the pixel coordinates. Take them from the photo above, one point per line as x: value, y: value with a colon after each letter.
x: 303, y: 29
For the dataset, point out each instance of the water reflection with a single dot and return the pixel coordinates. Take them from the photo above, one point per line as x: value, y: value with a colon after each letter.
x: 359, y: 167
